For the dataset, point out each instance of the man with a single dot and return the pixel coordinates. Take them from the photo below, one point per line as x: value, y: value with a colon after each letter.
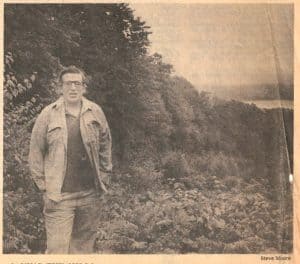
x: 70, y: 160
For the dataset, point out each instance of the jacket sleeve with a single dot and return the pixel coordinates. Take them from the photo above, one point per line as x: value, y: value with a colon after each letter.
x: 105, y: 155
x: 37, y: 150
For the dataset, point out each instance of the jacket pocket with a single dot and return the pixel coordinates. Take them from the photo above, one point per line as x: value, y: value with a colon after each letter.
x: 54, y: 133
x: 93, y: 133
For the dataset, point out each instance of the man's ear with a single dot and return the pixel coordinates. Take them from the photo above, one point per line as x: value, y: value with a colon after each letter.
x: 58, y: 89
x: 84, y: 89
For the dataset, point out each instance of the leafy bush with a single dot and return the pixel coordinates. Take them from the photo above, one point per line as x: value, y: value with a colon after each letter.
x: 175, y: 166
x: 181, y: 220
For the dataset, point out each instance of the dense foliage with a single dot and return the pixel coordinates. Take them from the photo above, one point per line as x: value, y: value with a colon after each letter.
x: 192, y: 173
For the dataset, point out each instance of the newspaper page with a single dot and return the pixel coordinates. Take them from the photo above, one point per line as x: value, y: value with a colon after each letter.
x: 149, y: 132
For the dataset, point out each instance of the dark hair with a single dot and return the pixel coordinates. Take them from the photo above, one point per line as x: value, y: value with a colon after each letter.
x: 72, y: 69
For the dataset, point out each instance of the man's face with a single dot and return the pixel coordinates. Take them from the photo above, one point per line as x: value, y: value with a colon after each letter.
x: 72, y: 87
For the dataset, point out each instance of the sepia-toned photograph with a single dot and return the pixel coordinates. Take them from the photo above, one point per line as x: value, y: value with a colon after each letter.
x: 148, y: 128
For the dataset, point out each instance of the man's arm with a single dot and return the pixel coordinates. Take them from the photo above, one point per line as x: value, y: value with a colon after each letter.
x: 37, y: 150
x: 105, y: 156
x: 105, y: 149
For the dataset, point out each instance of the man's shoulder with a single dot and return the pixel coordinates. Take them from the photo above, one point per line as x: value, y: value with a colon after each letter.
x: 49, y: 107
x: 96, y: 110
x: 93, y: 106
x: 46, y: 111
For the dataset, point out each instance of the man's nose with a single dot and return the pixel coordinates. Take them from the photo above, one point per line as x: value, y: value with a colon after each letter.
x: 73, y: 85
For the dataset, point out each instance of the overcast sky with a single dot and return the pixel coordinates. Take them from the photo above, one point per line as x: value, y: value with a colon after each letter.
x: 222, y: 44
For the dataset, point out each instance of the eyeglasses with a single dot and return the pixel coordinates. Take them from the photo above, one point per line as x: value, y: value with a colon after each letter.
x: 76, y: 83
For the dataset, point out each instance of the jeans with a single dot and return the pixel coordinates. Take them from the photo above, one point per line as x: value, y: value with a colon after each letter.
x: 71, y: 224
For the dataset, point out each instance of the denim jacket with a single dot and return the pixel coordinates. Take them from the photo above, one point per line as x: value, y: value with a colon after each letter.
x: 48, y: 146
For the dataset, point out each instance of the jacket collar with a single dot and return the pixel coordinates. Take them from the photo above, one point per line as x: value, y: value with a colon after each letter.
x: 86, y: 104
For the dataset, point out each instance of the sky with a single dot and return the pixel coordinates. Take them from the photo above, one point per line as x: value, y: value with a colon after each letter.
x: 223, y: 44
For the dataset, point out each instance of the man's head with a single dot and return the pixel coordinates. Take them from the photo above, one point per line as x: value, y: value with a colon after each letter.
x: 72, y: 80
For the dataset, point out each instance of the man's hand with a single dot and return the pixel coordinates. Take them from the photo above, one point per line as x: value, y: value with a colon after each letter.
x: 48, y: 203
x: 105, y: 176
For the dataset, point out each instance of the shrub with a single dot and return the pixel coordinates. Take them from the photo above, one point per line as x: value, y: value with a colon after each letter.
x: 175, y: 166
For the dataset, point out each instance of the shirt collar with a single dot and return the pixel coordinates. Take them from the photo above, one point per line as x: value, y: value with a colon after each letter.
x: 86, y: 105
